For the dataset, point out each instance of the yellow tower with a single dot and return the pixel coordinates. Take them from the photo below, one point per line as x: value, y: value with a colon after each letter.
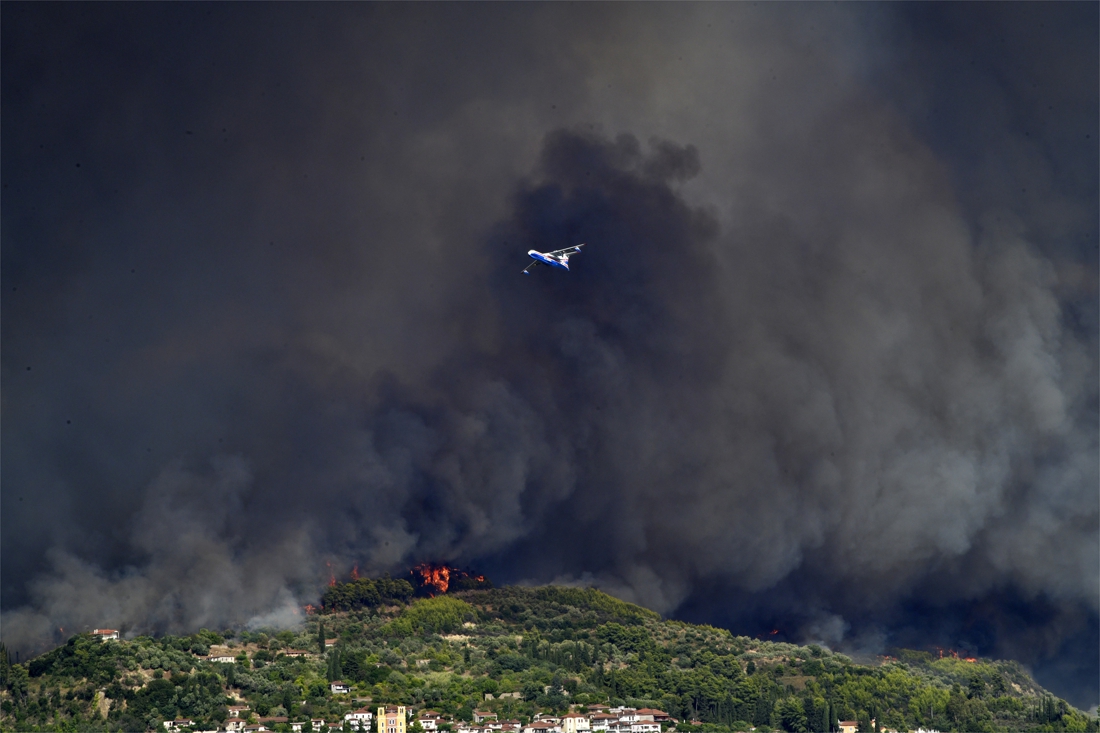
x: 391, y: 719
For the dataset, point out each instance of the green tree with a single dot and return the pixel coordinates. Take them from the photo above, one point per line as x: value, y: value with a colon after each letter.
x: 790, y: 715
x: 321, y: 636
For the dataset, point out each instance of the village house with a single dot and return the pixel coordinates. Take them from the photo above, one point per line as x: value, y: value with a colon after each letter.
x: 603, y: 721
x: 510, y: 726
x: 649, y: 715
x: 238, y: 711
x: 318, y: 724
x: 466, y: 728
x: 340, y: 688
x: 178, y: 723
x: 851, y: 726
x: 482, y: 715
x: 296, y: 653
x: 542, y: 726
x: 330, y: 643
x: 106, y: 635
x: 256, y: 728
x: 429, y: 720
x: 574, y: 722
x: 235, y: 724
x: 360, y: 719
x: 272, y: 720
x: 391, y: 719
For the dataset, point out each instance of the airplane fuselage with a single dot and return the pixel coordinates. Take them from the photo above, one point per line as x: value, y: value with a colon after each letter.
x: 548, y: 260
x: 557, y: 258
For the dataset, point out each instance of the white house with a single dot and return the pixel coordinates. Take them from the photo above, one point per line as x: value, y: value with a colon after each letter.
x: 574, y: 722
x: 429, y: 720
x: 481, y: 715
x: 178, y: 723
x: 360, y: 719
x: 603, y: 721
x: 107, y: 635
x: 340, y: 688
x: 235, y: 724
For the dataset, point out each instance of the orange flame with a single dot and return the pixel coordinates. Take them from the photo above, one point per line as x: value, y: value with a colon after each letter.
x: 355, y: 573
x: 774, y: 632
x: 434, y: 576
x: 331, y: 577
x: 310, y: 610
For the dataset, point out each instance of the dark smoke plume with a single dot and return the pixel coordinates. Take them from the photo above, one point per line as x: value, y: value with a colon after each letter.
x: 816, y: 369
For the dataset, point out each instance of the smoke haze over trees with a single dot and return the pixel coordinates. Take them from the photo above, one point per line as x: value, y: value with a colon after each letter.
x: 828, y: 363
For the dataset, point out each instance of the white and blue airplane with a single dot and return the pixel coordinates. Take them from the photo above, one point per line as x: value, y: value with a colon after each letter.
x: 557, y: 258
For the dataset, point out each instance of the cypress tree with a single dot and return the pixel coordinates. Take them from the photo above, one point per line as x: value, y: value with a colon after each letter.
x: 321, y: 636
x: 826, y: 719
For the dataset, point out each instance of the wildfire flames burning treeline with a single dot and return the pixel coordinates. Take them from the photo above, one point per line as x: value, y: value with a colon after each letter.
x: 436, y: 579
x: 426, y: 579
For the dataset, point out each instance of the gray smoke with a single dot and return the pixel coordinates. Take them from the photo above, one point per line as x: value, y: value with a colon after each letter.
x: 822, y: 360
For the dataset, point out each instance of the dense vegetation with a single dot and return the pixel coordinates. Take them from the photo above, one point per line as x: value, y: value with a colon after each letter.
x: 551, y: 647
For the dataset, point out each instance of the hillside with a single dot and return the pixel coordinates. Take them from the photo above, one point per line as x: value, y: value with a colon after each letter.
x: 516, y: 652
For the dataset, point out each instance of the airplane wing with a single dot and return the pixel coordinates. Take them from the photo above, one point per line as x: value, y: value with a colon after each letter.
x: 533, y: 263
x: 568, y: 250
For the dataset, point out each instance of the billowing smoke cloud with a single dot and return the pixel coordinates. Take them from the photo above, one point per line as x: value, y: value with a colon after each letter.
x: 797, y: 378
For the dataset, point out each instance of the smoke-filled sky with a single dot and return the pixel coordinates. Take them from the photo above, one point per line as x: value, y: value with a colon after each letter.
x: 828, y: 363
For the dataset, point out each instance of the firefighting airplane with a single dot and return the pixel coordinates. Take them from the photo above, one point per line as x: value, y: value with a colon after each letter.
x: 557, y: 258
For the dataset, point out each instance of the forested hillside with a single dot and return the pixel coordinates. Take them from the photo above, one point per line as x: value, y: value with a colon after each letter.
x: 553, y: 648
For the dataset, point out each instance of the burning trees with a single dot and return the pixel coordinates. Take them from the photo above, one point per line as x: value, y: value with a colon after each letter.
x: 434, y: 579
